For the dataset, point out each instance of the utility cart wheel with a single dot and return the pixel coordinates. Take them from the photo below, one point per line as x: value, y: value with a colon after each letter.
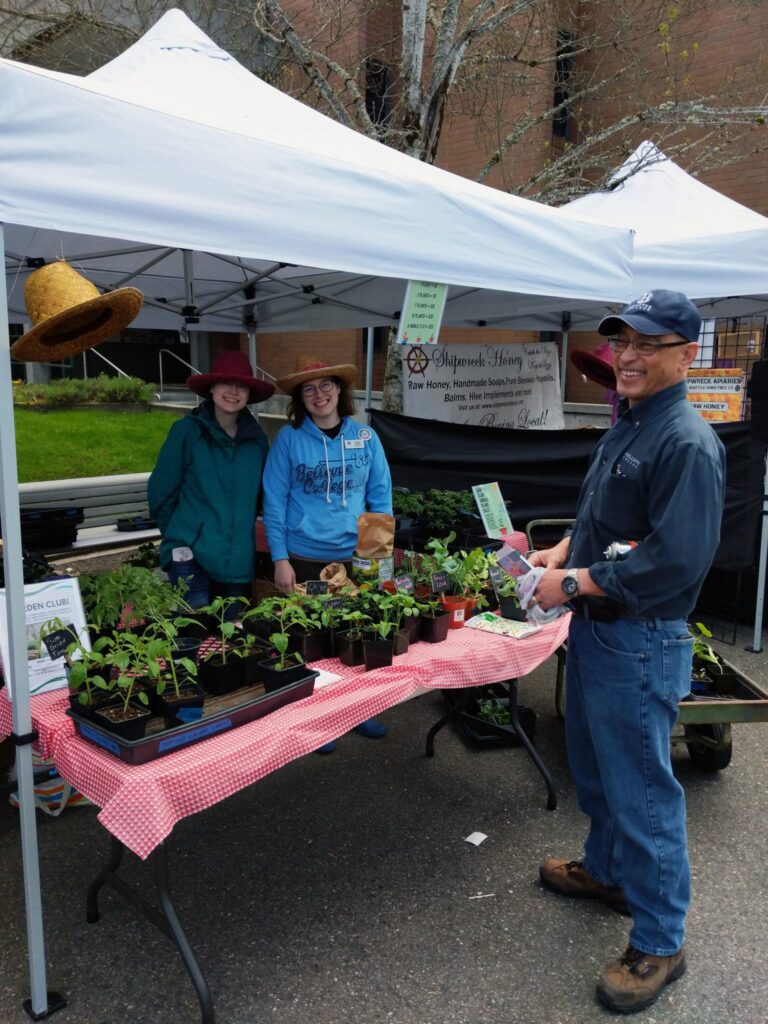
x: 710, y: 745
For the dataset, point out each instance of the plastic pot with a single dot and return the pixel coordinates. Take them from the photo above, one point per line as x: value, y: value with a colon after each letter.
x: 129, y: 723
x: 458, y: 609
x: 275, y: 678
x: 217, y: 677
x: 377, y: 651
x: 349, y: 650
x: 434, y: 628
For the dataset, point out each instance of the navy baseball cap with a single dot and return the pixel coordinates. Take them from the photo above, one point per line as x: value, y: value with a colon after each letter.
x: 657, y: 312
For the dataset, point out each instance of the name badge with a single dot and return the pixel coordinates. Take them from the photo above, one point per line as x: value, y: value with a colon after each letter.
x: 354, y: 444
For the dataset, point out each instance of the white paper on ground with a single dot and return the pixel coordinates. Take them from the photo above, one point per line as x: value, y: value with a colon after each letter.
x: 476, y: 838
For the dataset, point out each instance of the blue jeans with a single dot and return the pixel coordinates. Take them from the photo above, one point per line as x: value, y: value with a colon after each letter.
x: 623, y: 683
x: 200, y: 587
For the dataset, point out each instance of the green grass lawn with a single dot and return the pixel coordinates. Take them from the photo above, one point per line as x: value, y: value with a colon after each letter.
x: 88, y: 442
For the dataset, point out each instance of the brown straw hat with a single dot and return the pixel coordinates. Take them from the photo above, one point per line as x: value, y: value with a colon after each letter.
x: 310, y: 367
x: 69, y: 314
x: 231, y: 365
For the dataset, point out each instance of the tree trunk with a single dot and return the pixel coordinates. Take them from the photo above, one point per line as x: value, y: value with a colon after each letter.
x: 392, y: 390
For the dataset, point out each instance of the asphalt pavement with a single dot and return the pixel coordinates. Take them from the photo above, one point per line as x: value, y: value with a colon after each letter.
x: 341, y: 890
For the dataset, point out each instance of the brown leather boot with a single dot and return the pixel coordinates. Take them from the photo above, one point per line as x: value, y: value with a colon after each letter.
x: 636, y: 979
x: 570, y: 878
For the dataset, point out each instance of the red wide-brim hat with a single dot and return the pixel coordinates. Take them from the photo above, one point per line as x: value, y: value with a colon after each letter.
x: 231, y: 366
x: 597, y: 365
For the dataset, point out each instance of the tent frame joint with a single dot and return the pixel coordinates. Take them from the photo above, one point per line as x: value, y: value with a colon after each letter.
x: 25, y: 739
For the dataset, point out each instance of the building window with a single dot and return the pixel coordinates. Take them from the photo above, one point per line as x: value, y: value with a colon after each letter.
x: 377, y: 91
x: 564, y: 69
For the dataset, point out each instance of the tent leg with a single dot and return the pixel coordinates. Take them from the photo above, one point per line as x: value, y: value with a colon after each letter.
x: 368, y: 372
x: 565, y: 326
x: 39, y: 1006
x: 757, y: 638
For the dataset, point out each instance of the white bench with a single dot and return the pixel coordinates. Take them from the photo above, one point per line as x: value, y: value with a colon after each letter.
x: 103, y: 499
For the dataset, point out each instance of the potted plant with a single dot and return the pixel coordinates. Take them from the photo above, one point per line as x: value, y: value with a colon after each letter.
x: 434, y: 621
x: 252, y: 649
x: 219, y: 670
x: 378, y: 644
x: 509, y: 602
x: 286, y: 667
x: 444, y: 511
x: 180, y: 698
x: 134, y: 662
x: 88, y: 673
x: 309, y: 636
x: 467, y: 574
x: 128, y: 596
x: 349, y: 641
x: 487, y: 721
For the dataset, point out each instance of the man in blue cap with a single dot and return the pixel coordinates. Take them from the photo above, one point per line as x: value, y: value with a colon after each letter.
x: 656, y: 479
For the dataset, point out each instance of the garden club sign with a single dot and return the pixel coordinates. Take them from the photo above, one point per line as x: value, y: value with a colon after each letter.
x: 485, y: 385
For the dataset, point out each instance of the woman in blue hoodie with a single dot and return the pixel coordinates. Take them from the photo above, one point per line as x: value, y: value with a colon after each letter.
x: 204, y: 490
x: 324, y: 469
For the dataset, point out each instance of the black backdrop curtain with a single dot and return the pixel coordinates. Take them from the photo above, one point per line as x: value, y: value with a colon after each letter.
x: 540, y: 471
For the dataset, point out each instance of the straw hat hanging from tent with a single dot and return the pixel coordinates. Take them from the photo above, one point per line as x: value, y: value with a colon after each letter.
x: 69, y: 314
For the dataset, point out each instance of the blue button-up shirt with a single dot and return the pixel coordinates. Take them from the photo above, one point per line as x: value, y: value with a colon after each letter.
x: 658, y: 478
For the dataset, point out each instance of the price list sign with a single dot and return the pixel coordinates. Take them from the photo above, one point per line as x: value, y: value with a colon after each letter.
x: 422, y: 312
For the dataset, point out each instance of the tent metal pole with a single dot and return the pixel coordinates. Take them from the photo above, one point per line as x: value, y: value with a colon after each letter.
x: 17, y: 669
x: 368, y: 372
x: 565, y: 326
x: 189, y: 277
x: 757, y: 638
x: 252, y: 347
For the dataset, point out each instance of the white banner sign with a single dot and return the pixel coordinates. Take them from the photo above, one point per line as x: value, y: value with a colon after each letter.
x: 485, y: 385
x: 44, y: 602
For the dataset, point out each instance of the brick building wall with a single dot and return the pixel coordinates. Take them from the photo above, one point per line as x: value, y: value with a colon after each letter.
x: 721, y: 48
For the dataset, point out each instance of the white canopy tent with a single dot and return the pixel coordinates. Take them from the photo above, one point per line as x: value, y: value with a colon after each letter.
x: 176, y: 170
x: 687, y: 236
x: 177, y: 146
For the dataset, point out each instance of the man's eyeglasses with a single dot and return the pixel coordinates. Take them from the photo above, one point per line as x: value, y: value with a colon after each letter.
x: 324, y: 387
x: 643, y: 348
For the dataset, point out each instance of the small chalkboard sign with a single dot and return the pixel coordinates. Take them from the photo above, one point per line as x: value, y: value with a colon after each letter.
x: 497, y: 577
x: 56, y: 643
x: 404, y: 584
x: 440, y: 582
x: 335, y: 602
x: 316, y: 587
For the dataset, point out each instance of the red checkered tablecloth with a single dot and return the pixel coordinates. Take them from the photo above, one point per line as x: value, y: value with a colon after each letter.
x: 140, y: 804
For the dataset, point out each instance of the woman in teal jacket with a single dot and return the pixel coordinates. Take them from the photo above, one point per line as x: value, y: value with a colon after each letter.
x: 204, y: 491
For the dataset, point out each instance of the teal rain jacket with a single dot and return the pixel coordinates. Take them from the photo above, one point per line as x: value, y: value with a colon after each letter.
x: 204, y: 492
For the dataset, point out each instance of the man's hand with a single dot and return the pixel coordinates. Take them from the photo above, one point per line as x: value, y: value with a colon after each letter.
x: 549, y: 593
x: 551, y: 558
x: 285, y: 577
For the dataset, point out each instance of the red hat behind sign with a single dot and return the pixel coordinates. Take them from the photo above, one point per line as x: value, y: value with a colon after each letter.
x: 231, y: 366
x: 597, y: 365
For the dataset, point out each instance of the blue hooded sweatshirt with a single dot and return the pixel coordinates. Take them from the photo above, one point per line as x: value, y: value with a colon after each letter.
x: 315, y: 487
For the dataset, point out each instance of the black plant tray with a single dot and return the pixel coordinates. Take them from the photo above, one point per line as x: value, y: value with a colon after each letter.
x: 130, y: 524
x: 220, y: 714
x: 483, y: 734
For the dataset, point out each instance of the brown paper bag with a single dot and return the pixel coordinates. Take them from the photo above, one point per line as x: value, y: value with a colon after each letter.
x: 372, y: 561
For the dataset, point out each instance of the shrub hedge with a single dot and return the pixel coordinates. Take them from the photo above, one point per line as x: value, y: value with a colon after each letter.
x: 91, y: 391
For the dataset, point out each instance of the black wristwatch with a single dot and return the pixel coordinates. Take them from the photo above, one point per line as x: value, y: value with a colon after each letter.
x: 570, y: 583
